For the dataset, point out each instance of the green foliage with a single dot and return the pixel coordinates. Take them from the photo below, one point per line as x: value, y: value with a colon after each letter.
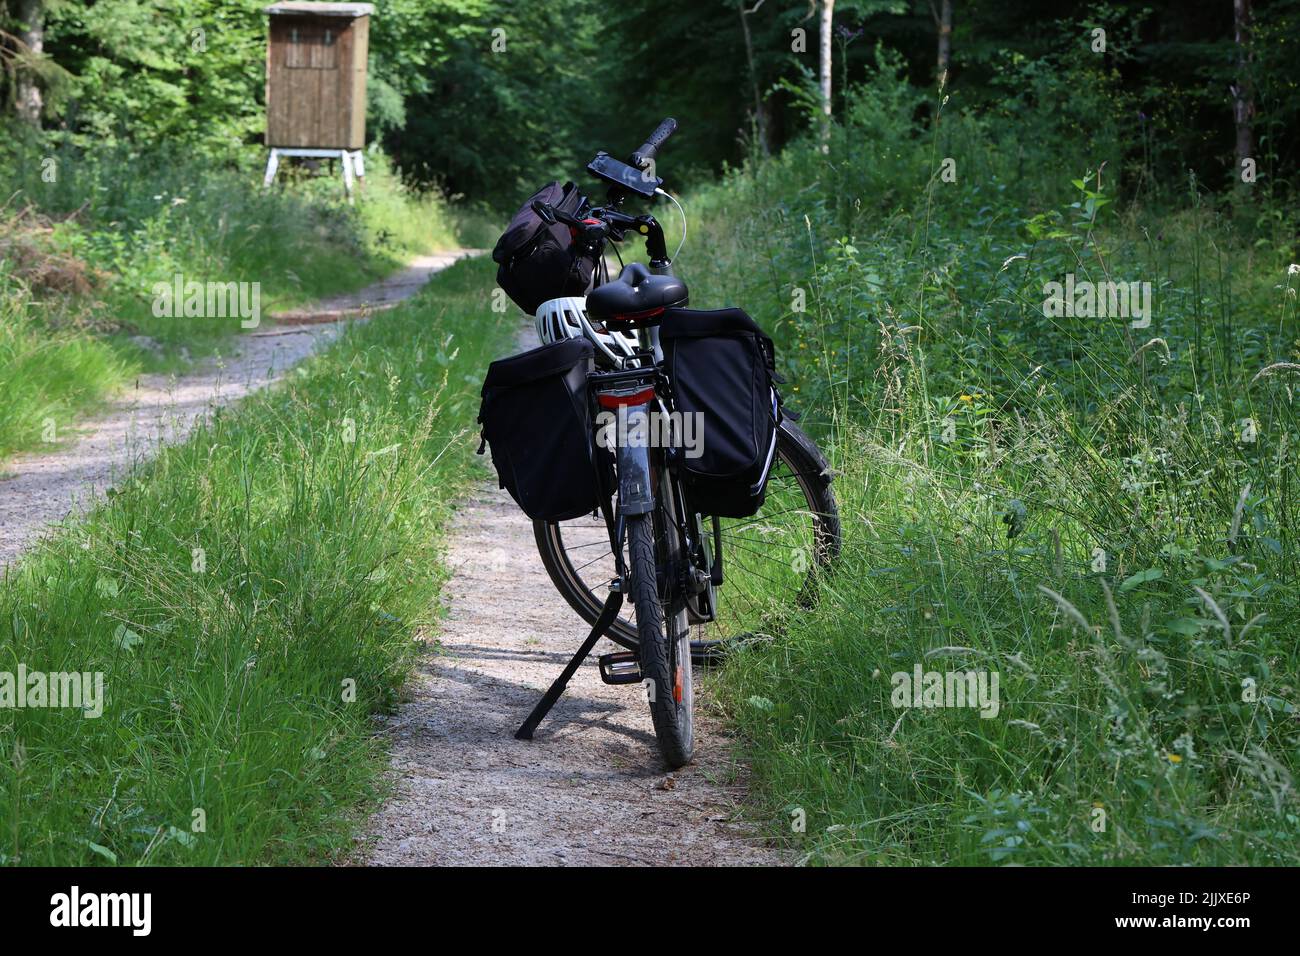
x: 179, y: 73
x: 1102, y: 514
x: 486, y: 98
x: 121, y: 220
x: 499, y: 96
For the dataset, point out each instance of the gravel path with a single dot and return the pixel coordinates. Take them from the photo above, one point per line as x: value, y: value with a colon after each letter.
x: 375, y: 298
x: 590, y: 788
x: 38, y: 489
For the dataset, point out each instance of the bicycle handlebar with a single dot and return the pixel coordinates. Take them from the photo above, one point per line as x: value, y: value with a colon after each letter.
x: 593, y: 229
x: 650, y: 148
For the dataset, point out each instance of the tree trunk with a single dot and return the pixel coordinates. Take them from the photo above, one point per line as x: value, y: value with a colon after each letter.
x: 943, y: 23
x: 1243, y: 93
x: 760, y: 121
x: 828, y: 9
x: 30, y: 32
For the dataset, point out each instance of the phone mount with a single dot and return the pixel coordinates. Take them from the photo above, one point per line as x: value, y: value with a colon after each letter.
x: 622, y: 176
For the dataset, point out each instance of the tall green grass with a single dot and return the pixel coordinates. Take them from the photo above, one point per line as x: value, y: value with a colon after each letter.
x: 1103, y: 515
x: 126, y: 221
x: 49, y: 378
x: 143, y: 218
x: 251, y: 598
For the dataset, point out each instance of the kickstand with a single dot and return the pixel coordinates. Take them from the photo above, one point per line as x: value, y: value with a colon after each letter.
x: 607, y: 614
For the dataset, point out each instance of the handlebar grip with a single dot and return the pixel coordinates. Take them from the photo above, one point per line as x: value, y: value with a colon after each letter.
x: 650, y: 148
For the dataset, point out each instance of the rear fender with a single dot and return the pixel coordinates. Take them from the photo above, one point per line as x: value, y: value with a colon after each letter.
x: 635, y: 482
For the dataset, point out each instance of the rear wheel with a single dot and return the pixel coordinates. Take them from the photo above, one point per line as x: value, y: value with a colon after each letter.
x: 771, y: 560
x: 663, y: 637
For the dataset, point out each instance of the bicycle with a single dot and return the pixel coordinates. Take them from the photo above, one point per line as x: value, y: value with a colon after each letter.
x: 659, y: 546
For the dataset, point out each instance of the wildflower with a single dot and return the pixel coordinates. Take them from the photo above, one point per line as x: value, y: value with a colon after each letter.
x: 1293, y: 269
x: 1174, y: 758
x: 965, y: 398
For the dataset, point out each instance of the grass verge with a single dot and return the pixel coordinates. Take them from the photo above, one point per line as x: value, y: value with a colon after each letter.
x: 50, y: 379
x: 250, y: 598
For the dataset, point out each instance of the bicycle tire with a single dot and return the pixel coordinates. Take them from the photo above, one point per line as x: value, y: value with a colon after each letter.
x: 664, y: 646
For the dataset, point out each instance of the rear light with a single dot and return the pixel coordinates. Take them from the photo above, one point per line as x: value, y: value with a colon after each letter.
x: 609, y: 400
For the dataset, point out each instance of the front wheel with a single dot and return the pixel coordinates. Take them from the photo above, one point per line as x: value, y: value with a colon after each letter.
x: 663, y: 638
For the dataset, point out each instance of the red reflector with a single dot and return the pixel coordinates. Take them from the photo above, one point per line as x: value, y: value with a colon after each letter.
x: 642, y: 397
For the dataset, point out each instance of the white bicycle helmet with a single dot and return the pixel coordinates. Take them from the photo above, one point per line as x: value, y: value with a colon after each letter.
x: 566, y: 318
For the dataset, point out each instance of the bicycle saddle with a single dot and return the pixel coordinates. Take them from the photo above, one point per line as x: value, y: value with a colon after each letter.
x: 636, y: 297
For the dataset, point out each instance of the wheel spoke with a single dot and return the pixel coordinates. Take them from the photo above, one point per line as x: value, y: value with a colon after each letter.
x: 762, y: 576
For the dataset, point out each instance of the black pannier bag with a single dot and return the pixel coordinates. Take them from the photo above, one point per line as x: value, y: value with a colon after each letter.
x: 536, y: 419
x: 721, y: 365
x: 537, y: 262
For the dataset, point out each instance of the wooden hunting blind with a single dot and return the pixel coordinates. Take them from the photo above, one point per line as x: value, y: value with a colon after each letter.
x: 316, y: 75
x: 316, y: 83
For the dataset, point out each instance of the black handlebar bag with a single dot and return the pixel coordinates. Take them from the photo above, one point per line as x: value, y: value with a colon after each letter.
x: 721, y: 368
x: 536, y: 418
x: 536, y: 261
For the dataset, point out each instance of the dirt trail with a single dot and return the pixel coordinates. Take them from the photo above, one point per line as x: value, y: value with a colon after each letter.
x: 40, y: 488
x: 375, y: 298
x: 590, y: 788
